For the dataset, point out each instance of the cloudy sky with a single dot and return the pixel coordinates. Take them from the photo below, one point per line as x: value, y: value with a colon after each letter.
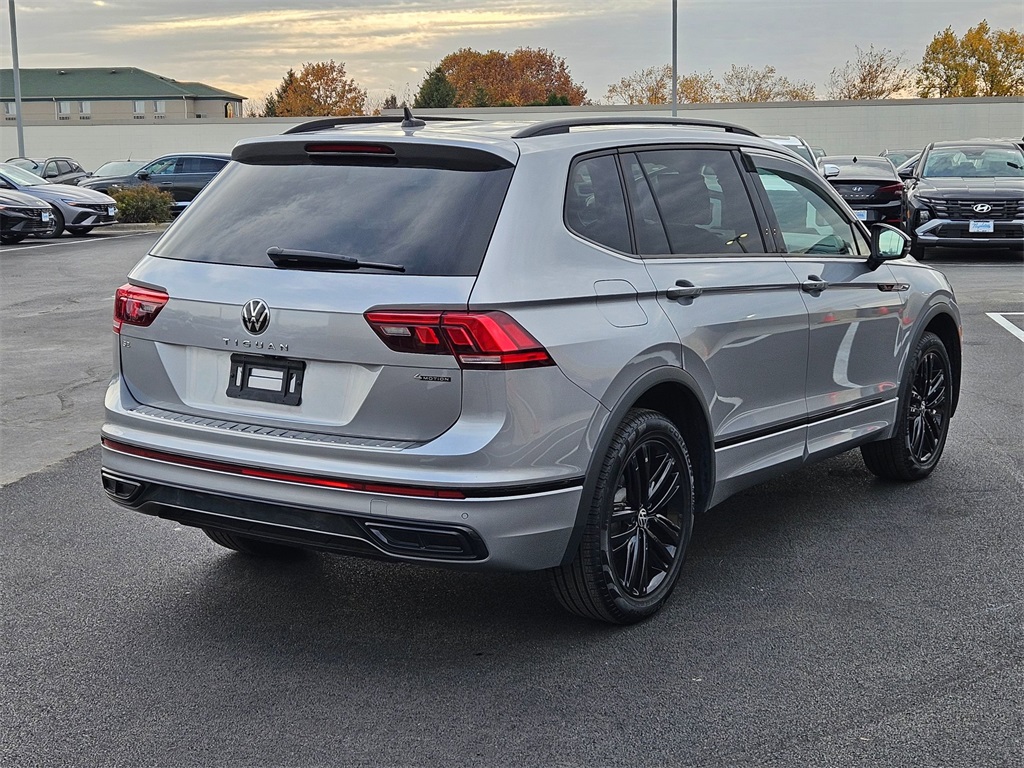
x: 246, y: 46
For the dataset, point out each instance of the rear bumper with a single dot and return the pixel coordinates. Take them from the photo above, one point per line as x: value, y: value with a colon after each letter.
x: 521, y: 532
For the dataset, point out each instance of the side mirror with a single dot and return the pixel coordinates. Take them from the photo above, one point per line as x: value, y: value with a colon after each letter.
x: 143, y: 175
x: 829, y: 171
x: 907, y: 173
x: 887, y: 243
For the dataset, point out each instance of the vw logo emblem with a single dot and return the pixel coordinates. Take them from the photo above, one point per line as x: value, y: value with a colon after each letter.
x: 982, y: 208
x: 256, y: 316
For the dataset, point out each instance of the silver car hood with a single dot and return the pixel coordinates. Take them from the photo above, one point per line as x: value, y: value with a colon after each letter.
x: 68, y: 192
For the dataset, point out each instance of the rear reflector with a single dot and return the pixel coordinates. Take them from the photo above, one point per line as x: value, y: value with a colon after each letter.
x: 137, y: 306
x: 285, y: 477
x: 491, y: 340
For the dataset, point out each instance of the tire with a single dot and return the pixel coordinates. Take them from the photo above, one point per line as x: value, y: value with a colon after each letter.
x: 250, y: 546
x: 638, y: 526
x: 922, y: 419
x: 12, y: 239
x: 58, y: 226
x: 79, y: 231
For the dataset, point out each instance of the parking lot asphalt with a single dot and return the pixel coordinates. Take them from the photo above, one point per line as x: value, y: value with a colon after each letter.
x: 823, y: 619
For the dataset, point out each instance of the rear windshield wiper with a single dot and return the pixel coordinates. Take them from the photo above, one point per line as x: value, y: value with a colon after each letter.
x: 289, y: 258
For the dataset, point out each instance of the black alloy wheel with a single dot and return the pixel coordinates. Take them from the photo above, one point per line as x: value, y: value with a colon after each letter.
x: 922, y: 421
x: 638, y: 528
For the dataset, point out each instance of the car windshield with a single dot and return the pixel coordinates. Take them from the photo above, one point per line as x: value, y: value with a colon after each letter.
x: 24, y: 162
x: 974, y: 162
x: 119, y: 167
x: 20, y: 176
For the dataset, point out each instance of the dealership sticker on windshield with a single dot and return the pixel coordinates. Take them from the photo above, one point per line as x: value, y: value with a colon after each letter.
x: 862, y: 215
x: 979, y: 225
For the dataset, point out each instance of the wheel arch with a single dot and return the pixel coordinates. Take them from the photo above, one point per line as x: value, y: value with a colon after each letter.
x: 674, y: 393
x: 940, y: 322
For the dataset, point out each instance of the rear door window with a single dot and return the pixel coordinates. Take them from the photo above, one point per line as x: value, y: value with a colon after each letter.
x: 431, y: 220
x: 691, y: 201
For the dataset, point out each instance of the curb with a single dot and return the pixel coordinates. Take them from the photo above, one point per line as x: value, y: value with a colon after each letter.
x: 137, y: 227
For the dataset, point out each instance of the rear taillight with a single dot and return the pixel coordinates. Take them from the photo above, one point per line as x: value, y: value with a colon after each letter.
x: 137, y: 306
x: 892, y: 190
x: 476, y: 339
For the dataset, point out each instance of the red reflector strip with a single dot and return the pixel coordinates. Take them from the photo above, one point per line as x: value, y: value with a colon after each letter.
x: 286, y: 477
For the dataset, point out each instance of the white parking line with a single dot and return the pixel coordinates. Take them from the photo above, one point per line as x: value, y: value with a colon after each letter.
x: 77, y: 241
x: 1000, y: 317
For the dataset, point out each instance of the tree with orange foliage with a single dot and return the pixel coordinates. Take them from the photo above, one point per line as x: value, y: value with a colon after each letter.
x: 984, y: 62
x: 321, y: 90
x: 496, y: 78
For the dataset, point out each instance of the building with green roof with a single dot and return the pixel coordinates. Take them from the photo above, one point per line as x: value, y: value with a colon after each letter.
x: 109, y: 95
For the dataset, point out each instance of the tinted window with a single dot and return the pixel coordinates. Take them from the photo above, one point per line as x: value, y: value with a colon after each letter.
x: 809, y: 221
x: 432, y: 221
x: 163, y: 165
x: 190, y: 165
x: 211, y: 165
x: 701, y: 200
x: 594, y: 206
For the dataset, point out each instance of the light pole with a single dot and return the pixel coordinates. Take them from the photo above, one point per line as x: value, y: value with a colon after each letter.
x: 675, y: 46
x: 17, y: 81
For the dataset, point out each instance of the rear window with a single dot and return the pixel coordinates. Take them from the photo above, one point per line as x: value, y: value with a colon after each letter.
x: 432, y: 221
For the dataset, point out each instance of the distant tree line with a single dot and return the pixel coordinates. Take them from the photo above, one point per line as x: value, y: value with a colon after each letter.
x: 983, y: 62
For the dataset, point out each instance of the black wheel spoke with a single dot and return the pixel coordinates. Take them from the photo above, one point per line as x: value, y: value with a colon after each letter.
x: 664, y: 483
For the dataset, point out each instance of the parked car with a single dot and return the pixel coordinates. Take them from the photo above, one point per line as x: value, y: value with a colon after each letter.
x: 57, y: 170
x: 22, y: 215
x: 183, y: 175
x: 898, y: 156
x: 76, y: 209
x: 965, y: 195
x: 797, y: 145
x: 117, y: 168
x: 869, y: 184
x: 516, y: 347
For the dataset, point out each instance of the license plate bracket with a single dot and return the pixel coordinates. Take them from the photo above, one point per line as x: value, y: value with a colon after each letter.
x: 981, y: 225
x: 266, y: 379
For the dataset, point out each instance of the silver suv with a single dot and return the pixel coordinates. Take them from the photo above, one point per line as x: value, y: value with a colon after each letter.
x: 516, y: 346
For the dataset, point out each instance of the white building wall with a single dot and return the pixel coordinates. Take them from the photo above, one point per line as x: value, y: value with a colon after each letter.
x: 838, y: 127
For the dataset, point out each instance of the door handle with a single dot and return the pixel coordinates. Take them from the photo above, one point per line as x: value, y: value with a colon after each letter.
x: 813, y: 284
x: 684, y: 290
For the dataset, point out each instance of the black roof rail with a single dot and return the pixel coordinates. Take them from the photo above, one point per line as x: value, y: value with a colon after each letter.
x: 551, y: 127
x: 341, y: 122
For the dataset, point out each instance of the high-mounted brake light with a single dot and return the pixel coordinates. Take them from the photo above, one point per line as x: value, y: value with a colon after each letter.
x: 137, y: 306
x: 348, y: 149
x: 489, y: 340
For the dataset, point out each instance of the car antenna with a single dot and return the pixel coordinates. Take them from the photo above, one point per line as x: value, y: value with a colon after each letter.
x: 410, y: 121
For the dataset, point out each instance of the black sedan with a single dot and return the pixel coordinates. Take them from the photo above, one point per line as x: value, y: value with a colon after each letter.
x: 869, y: 184
x: 22, y: 215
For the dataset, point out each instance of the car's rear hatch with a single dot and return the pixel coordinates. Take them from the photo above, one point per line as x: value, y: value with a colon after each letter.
x: 282, y: 341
